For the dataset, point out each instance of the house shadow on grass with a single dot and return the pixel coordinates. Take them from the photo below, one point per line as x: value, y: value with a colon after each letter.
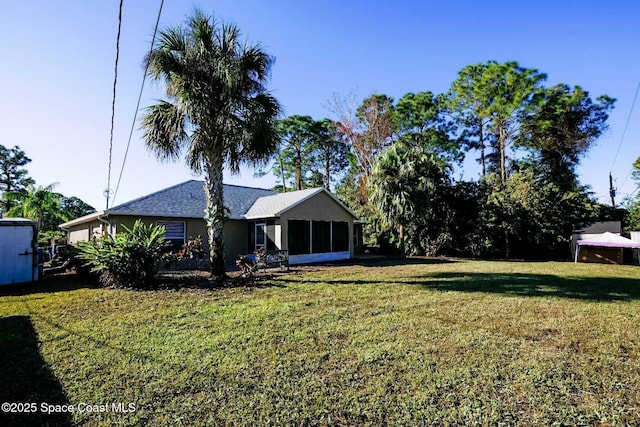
x: 26, y: 378
x: 536, y: 285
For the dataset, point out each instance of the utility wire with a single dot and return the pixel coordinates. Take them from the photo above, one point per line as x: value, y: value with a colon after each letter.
x: 113, y: 103
x: 626, y: 177
x: 135, y: 116
x: 625, y: 127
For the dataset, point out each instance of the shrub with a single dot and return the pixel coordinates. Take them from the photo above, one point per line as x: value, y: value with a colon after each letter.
x: 130, y: 259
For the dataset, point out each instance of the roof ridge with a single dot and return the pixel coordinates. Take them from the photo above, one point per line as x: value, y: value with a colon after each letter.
x: 235, y: 185
x: 246, y: 186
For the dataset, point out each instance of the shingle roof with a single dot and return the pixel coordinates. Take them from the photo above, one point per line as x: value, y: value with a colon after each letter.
x: 188, y: 200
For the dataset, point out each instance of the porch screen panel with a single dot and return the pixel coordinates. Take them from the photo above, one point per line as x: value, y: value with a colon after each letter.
x: 298, y: 235
x: 321, y: 237
x: 340, y: 234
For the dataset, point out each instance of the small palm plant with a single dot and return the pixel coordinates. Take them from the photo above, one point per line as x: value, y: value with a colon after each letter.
x: 128, y: 260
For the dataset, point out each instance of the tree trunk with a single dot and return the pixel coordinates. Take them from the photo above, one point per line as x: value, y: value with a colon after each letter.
x: 482, y: 159
x: 507, y: 241
x: 401, y: 231
x: 299, y: 185
x: 503, y: 157
x: 284, y: 184
x: 327, y: 170
x: 214, y: 214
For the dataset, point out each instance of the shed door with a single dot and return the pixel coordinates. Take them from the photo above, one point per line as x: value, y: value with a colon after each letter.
x: 16, y: 255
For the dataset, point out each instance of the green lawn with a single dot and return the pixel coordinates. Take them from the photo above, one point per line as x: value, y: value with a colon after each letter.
x: 418, y: 343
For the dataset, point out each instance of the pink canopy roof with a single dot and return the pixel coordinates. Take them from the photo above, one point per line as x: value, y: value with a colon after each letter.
x: 609, y: 240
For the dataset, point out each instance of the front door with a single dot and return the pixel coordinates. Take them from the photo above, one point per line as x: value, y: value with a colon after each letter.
x: 261, y: 236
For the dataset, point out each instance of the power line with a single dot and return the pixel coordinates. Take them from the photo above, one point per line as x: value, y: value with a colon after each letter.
x: 135, y: 116
x: 625, y: 127
x: 113, y: 103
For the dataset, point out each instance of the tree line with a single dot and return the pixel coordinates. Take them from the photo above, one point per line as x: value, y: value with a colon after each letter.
x: 393, y: 163
x: 21, y: 198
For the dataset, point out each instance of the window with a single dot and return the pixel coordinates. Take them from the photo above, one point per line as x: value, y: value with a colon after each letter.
x: 298, y: 236
x: 174, y: 233
x: 340, y: 237
x: 321, y: 236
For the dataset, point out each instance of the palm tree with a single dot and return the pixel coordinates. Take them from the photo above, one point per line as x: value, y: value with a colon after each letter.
x: 219, y: 112
x: 404, y: 180
x: 34, y: 202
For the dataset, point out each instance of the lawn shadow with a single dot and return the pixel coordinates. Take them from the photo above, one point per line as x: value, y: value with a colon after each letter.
x: 390, y: 261
x: 517, y: 284
x: 26, y: 378
x: 536, y: 285
x: 52, y: 284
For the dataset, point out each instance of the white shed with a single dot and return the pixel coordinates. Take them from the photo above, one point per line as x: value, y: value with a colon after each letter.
x: 18, y: 251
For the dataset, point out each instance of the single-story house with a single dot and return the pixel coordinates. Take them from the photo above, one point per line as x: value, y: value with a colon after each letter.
x: 312, y: 224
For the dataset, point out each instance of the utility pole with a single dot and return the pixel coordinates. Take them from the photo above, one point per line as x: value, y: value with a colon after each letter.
x: 612, y: 191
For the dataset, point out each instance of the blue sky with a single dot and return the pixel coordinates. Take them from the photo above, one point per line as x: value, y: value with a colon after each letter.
x: 58, y: 59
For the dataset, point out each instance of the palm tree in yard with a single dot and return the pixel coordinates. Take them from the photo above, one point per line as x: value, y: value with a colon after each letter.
x: 34, y: 202
x: 218, y: 111
x: 404, y: 182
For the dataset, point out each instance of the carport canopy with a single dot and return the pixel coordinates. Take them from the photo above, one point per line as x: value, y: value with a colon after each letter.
x: 606, y: 240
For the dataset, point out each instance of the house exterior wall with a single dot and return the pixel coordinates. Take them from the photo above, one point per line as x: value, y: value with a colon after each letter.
x: 235, y: 240
x: 84, y: 232
x: 234, y: 232
x: 321, y: 207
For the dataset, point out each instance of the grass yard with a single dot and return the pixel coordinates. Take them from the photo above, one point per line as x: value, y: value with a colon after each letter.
x: 418, y: 343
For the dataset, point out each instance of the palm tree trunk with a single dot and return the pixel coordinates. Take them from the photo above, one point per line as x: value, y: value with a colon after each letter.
x: 214, y: 214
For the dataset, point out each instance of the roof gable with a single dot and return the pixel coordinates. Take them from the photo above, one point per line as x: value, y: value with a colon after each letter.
x: 275, y: 205
x: 270, y: 206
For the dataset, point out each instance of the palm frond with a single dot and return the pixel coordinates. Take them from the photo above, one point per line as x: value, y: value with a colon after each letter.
x: 164, y: 130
